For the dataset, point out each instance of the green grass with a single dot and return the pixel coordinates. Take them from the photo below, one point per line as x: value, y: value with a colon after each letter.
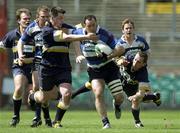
x: 158, y: 121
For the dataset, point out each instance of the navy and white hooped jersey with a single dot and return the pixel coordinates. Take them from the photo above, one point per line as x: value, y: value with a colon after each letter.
x: 33, y: 31
x: 88, y: 46
x: 10, y: 40
x: 139, y: 44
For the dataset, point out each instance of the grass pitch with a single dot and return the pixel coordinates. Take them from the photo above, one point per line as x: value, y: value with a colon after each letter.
x: 158, y: 121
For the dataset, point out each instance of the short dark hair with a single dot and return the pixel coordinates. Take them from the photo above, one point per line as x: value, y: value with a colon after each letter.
x: 89, y: 17
x: 56, y: 10
x: 127, y: 21
x: 20, y: 11
x: 144, y: 55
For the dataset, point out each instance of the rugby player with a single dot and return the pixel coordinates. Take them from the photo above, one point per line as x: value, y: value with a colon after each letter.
x: 133, y: 74
x: 21, y: 73
x: 34, y: 31
x: 133, y: 44
x: 101, y: 69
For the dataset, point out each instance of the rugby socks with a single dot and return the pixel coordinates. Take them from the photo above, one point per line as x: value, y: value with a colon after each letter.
x: 38, y: 111
x: 17, y: 106
x: 148, y: 97
x: 82, y: 89
x: 105, y: 121
x: 59, y: 114
x: 136, y: 113
x: 46, y: 112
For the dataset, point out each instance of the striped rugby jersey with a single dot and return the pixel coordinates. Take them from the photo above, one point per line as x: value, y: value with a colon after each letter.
x: 139, y: 44
x: 88, y: 46
x: 10, y: 40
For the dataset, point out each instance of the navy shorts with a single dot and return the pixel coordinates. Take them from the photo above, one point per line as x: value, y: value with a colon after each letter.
x: 53, y: 76
x: 35, y: 66
x: 130, y: 89
x: 109, y: 72
x: 142, y: 75
x: 23, y: 70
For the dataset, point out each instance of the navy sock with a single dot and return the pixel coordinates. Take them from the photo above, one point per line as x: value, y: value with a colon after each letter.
x: 105, y: 120
x: 46, y: 112
x: 38, y: 111
x: 59, y: 114
x: 148, y: 97
x: 79, y: 91
x: 136, y: 114
x: 17, y: 106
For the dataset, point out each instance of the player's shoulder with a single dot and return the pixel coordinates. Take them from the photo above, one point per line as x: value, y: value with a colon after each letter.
x: 140, y: 38
x: 33, y: 24
x: 32, y: 27
x: 104, y: 31
x: 120, y: 41
x: 47, y: 29
x: 79, y: 31
x: 12, y: 34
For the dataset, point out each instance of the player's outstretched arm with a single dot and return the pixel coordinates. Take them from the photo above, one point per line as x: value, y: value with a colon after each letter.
x: 61, y: 36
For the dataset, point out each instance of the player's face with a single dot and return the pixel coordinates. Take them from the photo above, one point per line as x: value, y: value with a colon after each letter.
x: 91, y: 26
x: 57, y: 21
x: 43, y: 17
x: 24, y: 20
x: 138, y: 62
x: 128, y: 29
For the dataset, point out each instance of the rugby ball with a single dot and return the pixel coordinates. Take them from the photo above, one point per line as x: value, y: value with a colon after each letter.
x: 103, y: 48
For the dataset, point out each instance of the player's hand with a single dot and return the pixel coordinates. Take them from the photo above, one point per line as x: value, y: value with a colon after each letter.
x: 131, y: 98
x: 122, y: 61
x: 92, y: 36
x: 79, y: 58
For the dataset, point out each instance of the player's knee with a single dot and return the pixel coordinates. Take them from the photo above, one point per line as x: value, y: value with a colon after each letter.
x: 119, y: 98
x: 40, y: 97
x: 68, y: 94
x: 98, y: 95
x: 135, y: 101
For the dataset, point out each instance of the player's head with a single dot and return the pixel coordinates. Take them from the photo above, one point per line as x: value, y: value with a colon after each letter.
x: 90, y: 23
x: 127, y: 27
x: 57, y: 16
x: 23, y: 17
x: 42, y: 14
x: 139, y: 61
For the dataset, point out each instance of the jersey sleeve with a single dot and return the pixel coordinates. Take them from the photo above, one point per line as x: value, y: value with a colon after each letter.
x: 107, y: 37
x: 146, y: 45
x: 7, y: 41
x: 78, y: 31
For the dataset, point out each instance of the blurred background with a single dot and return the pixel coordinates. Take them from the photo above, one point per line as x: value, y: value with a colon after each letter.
x: 157, y: 20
